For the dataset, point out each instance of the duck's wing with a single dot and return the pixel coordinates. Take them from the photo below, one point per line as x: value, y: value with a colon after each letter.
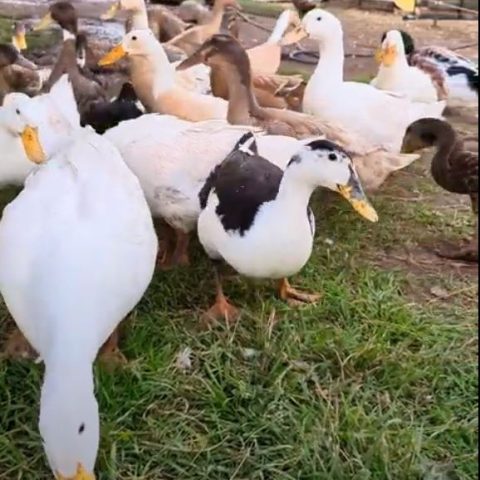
x: 242, y: 183
x: 437, y: 75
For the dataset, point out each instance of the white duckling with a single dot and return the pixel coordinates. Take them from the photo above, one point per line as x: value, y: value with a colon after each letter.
x: 396, y: 75
x: 256, y: 217
x: 381, y: 117
x: 77, y: 251
x: 155, y: 81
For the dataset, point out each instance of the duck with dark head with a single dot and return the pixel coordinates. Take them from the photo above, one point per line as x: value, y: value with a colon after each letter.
x: 454, y: 168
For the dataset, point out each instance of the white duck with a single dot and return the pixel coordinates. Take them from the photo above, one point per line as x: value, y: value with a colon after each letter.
x: 77, y: 251
x: 155, y: 82
x: 172, y: 159
x: 15, y: 166
x: 396, y: 75
x: 256, y: 217
x: 381, y: 117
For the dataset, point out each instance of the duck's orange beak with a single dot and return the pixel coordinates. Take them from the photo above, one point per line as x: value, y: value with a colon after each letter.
x: 31, y: 144
x: 113, y: 56
x: 81, y: 474
x: 386, y: 55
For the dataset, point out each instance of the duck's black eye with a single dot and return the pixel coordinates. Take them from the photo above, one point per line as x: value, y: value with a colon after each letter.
x: 332, y: 156
x: 81, y: 428
x: 17, y: 111
x: 134, y: 38
x: 319, y: 19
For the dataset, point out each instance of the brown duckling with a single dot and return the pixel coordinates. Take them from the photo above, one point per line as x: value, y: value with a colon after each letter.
x: 224, y: 52
x: 17, y: 74
x: 454, y: 168
x: 193, y: 38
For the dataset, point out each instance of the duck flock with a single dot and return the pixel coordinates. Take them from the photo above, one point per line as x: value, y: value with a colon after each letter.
x: 179, y: 123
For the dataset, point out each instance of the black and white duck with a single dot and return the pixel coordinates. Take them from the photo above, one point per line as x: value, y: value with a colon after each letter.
x: 256, y: 217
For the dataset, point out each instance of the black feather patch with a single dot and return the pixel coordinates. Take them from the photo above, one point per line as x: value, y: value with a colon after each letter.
x: 242, y: 183
x: 105, y: 115
x: 472, y: 76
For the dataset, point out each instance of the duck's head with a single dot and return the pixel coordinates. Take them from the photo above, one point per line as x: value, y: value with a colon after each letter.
x: 408, y: 42
x: 17, y: 119
x: 19, y: 40
x: 45, y: 123
x: 322, y: 163
x: 392, y: 48
x: 69, y: 422
x: 10, y: 55
x: 321, y: 25
x: 219, y: 50
x: 127, y: 5
x: 140, y: 43
x: 63, y: 13
x: 423, y: 133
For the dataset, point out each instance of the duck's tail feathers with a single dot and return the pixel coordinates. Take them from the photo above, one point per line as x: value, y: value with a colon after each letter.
x: 247, y: 144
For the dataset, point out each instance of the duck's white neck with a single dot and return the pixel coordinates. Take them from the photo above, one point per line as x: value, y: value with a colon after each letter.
x: 67, y: 35
x: 139, y: 18
x: 279, y: 29
x: 330, y: 65
x: 156, y: 66
x: 295, y: 189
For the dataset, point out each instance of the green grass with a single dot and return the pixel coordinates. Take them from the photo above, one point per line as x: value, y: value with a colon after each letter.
x: 35, y: 40
x: 377, y: 381
x: 262, y: 9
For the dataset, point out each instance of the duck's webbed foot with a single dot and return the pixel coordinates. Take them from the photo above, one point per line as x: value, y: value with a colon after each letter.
x: 110, y: 355
x: 293, y: 296
x: 222, y: 309
x: 18, y: 347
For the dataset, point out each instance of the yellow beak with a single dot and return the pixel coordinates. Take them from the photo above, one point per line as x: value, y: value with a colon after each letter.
x: 114, y: 55
x: 386, y: 55
x: 81, y: 474
x: 353, y: 193
x: 32, y: 146
x: 19, y: 41
x: 44, y: 23
x: 111, y: 12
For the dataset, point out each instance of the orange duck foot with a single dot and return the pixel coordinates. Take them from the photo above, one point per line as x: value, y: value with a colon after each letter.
x: 221, y: 310
x: 295, y: 297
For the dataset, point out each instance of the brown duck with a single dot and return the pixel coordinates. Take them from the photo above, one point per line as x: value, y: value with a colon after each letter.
x: 225, y: 53
x: 454, y: 168
x: 17, y: 74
